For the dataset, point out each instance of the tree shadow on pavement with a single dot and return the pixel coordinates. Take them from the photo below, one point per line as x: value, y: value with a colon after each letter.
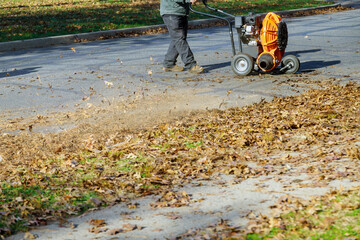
x: 18, y: 72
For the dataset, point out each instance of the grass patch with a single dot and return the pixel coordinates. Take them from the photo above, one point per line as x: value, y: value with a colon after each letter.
x: 23, y: 19
x: 194, y: 144
x: 20, y: 204
x: 139, y: 165
x: 331, y: 217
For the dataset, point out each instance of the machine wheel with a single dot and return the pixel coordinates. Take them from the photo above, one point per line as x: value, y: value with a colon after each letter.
x: 290, y: 64
x: 242, y: 64
x: 282, y: 34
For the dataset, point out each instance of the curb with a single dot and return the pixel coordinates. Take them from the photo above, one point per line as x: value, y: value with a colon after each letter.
x: 92, y: 36
x: 303, y: 10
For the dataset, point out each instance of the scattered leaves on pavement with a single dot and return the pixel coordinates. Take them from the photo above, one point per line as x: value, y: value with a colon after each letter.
x: 172, y: 199
x: 335, y: 215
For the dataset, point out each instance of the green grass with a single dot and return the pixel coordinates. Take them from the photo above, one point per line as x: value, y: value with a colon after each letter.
x: 23, y: 19
x: 34, y: 199
x: 194, y: 144
x: 140, y: 165
x: 253, y: 236
x: 336, y: 217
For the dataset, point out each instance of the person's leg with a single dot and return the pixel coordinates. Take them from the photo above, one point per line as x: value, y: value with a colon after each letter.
x: 182, y: 45
x: 177, y: 26
x: 171, y: 54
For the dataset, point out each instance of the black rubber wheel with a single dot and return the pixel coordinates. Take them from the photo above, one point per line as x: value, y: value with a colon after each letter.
x: 282, y: 35
x: 292, y: 63
x: 242, y: 64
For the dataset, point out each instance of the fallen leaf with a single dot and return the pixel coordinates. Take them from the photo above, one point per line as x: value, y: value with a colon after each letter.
x: 114, y: 231
x: 97, y: 222
x: 97, y: 230
x: 29, y: 235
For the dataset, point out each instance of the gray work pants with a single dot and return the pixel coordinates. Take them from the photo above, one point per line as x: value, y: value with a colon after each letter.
x: 178, y: 26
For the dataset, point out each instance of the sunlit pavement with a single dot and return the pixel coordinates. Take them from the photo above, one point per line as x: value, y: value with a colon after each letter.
x: 63, y: 78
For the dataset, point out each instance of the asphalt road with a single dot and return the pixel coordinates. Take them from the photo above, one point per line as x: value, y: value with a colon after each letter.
x: 63, y: 78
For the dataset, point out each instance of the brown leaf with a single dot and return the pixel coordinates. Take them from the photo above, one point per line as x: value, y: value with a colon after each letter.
x: 97, y: 230
x: 29, y: 235
x: 130, y: 227
x: 115, y: 231
x: 97, y: 222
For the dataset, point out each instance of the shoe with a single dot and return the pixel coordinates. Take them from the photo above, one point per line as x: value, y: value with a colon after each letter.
x: 196, y: 69
x: 175, y: 68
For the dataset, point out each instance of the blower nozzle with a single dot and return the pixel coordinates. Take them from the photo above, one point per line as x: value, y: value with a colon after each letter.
x: 266, y: 61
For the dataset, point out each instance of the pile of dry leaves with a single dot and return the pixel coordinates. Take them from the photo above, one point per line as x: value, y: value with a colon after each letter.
x: 44, y: 176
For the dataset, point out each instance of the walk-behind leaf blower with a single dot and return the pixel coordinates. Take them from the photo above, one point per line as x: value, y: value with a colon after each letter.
x: 262, y: 42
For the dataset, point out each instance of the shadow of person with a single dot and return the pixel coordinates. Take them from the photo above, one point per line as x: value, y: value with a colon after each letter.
x: 18, y: 72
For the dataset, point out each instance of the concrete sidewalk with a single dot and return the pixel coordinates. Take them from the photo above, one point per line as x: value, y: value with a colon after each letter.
x: 92, y: 36
x: 220, y: 198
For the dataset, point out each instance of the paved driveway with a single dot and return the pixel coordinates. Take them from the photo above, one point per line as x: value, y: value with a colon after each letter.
x: 64, y: 78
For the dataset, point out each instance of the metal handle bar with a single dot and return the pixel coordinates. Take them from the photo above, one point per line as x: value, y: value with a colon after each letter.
x: 217, y: 10
x: 218, y: 17
x: 209, y: 15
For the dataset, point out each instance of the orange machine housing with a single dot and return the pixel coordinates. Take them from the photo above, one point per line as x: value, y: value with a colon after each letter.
x: 270, y: 55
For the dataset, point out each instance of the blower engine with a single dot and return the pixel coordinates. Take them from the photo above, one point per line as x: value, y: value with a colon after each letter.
x: 273, y: 40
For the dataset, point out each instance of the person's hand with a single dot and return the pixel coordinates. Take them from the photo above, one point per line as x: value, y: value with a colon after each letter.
x: 193, y: 1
